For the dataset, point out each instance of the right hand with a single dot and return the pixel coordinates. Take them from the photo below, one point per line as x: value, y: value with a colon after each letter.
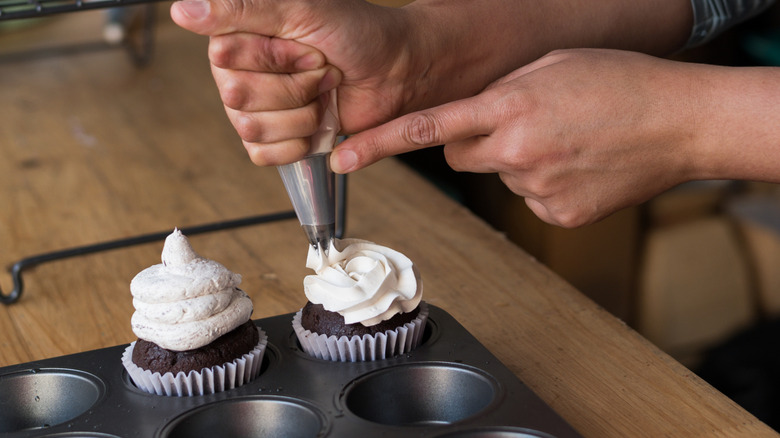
x: 273, y: 60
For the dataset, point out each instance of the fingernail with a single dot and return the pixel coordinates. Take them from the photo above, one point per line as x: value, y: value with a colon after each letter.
x: 330, y: 80
x: 310, y: 61
x: 195, y: 9
x: 343, y: 161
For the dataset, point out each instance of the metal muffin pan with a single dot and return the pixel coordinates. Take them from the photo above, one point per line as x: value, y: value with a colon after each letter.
x: 449, y: 387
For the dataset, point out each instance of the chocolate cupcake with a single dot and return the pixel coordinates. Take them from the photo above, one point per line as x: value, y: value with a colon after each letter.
x: 152, y: 357
x: 364, y: 303
x: 195, y: 335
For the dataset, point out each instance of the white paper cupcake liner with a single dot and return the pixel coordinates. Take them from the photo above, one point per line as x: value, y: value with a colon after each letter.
x: 206, y: 381
x: 366, y: 348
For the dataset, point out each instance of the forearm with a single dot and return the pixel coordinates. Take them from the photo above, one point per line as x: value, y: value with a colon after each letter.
x: 460, y: 46
x: 738, y: 124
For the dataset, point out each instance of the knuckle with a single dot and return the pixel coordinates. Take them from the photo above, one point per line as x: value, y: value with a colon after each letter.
x: 257, y: 156
x: 248, y: 129
x: 219, y: 51
x: 275, y: 154
x: 514, y: 160
x: 423, y: 129
x: 271, y: 54
x: 539, y: 186
x: 569, y: 219
x: 568, y: 215
x: 453, y: 159
x: 232, y: 94
x: 257, y: 153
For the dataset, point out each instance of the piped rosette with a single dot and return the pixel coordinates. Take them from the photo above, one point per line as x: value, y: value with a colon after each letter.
x: 370, y: 286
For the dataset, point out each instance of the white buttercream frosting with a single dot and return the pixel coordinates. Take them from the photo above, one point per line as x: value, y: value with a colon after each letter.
x: 186, y: 301
x: 362, y: 281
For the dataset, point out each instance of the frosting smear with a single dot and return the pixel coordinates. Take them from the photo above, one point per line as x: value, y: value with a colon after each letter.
x: 362, y: 281
x: 186, y: 301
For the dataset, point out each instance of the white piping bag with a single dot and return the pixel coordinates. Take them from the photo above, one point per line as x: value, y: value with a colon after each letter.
x: 310, y: 182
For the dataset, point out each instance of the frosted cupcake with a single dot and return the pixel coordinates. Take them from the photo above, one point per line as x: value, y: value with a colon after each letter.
x: 364, y: 303
x: 195, y: 335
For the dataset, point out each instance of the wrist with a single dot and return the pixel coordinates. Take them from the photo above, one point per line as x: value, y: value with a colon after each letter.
x: 458, y: 47
x: 739, y: 125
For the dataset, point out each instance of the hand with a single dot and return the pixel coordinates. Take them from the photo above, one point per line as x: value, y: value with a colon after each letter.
x: 579, y: 134
x: 272, y: 60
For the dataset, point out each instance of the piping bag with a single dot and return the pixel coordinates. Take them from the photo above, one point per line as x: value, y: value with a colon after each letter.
x: 311, y: 184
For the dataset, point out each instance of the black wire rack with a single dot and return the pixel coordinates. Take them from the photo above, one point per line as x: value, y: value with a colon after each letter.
x: 16, y: 9
x: 28, y: 262
x: 138, y: 41
x: 140, y: 51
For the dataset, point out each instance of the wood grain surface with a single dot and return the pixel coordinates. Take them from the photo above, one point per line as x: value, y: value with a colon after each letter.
x: 93, y: 149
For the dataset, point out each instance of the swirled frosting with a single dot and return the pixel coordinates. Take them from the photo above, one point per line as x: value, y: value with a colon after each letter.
x: 187, y: 301
x: 362, y: 281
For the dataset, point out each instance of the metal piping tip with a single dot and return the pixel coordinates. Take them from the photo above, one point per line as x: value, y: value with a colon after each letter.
x: 320, y: 236
x: 310, y: 183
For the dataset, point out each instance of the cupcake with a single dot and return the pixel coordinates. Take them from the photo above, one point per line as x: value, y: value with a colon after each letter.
x: 364, y: 303
x: 195, y: 335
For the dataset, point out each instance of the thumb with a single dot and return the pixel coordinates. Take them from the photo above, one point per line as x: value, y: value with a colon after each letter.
x: 219, y: 17
x: 447, y: 123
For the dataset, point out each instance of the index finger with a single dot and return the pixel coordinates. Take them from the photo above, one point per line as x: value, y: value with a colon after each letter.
x: 451, y: 122
x: 259, y: 53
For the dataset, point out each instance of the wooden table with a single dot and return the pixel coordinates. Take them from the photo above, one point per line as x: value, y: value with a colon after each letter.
x: 93, y: 149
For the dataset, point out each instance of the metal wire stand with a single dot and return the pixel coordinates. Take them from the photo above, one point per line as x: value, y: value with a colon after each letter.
x: 15, y: 9
x: 140, y: 47
x: 29, y: 262
x: 139, y: 40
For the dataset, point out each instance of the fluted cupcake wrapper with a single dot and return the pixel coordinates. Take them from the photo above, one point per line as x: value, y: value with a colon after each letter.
x: 206, y: 381
x: 363, y: 348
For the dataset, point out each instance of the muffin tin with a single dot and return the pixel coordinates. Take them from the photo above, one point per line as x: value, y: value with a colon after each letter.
x: 450, y: 386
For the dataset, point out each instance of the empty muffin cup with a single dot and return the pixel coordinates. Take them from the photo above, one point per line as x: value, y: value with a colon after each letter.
x: 496, y: 432
x: 422, y: 394
x: 80, y: 435
x: 37, y: 399
x: 263, y: 416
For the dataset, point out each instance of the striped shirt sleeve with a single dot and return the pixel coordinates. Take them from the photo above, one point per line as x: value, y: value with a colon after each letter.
x: 711, y: 17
